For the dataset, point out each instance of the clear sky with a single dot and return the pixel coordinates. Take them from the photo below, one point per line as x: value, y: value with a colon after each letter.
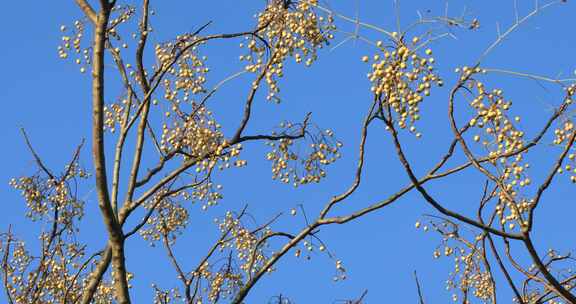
x: 50, y: 98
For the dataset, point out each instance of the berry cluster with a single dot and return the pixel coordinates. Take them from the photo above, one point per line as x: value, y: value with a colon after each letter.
x: 402, y: 78
x: 470, y: 273
x: 502, y: 140
x: 169, y: 219
x: 322, y: 151
x: 44, y: 195
x: 186, y: 69
x: 244, y: 242
x: 288, y: 31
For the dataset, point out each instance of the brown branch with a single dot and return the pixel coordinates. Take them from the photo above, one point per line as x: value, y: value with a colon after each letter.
x: 47, y: 253
x: 483, y: 201
x: 542, y: 299
x: 469, y: 155
x: 358, y: 174
x: 525, y: 237
x: 519, y: 268
x: 250, y: 99
x: 98, y: 124
x: 78, y: 272
x: 156, y: 79
x: 118, y: 155
x: 431, y: 200
x: 74, y: 159
x: 5, y: 265
x: 278, y: 137
x: 177, y: 267
x: 220, y: 241
x: 121, y: 68
x: 420, y: 296
x: 548, y: 181
x: 556, y: 286
x: 504, y: 270
x: 36, y: 156
x: 549, y: 290
x: 96, y: 276
x: 54, y: 232
x: 156, y: 169
x: 260, y: 243
x: 158, y: 201
x: 430, y: 176
x: 243, y: 292
x: 128, y: 208
x: 362, y: 296
x: 516, y: 25
x: 146, y: 102
x: 98, y: 152
x: 87, y: 9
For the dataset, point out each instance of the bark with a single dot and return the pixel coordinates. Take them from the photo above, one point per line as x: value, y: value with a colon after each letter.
x: 114, y: 229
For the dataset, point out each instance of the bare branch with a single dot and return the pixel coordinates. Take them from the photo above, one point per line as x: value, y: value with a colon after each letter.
x: 532, y: 76
x: 5, y: 265
x: 358, y: 173
x: 87, y: 9
x: 432, y: 201
x: 420, y: 296
x: 146, y: 102
x: 96, y: 276
x: 250, y: 99
x: 548, y: 180
x: 557, y: 287
x: 278, y: 137
x: 36, y: 157
x: 111, y: 223
x: 501, y: 36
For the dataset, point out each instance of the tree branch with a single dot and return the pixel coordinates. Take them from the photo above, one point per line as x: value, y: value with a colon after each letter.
x: 87, y: 9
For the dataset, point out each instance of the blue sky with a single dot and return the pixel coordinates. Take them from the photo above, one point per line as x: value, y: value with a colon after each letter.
x: 51, y: 99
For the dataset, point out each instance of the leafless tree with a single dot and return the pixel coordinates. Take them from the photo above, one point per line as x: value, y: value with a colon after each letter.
x: 191, y: 148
